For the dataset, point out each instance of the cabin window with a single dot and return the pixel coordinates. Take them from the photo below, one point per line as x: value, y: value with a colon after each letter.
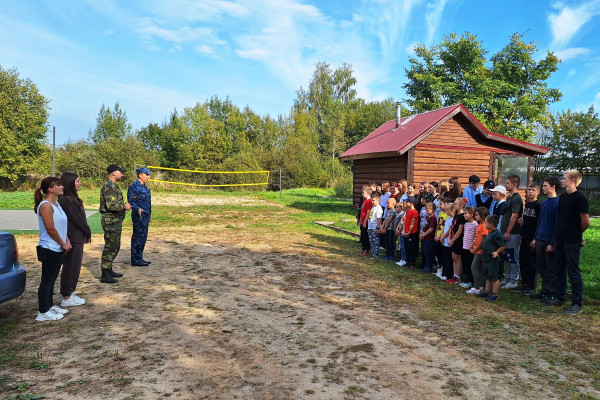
x: 512, y: 165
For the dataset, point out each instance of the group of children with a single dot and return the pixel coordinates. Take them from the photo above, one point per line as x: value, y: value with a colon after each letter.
x: 471, y: 237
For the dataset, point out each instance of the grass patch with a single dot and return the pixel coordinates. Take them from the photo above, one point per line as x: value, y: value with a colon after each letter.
x: 521, y: 328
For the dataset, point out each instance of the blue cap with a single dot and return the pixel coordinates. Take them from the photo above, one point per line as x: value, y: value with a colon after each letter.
x: 143, y: 170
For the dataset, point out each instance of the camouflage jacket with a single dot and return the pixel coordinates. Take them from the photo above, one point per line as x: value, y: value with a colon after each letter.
x: 111, y: 200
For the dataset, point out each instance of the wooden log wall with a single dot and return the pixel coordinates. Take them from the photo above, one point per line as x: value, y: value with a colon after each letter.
x: 451, y: 150
x: 381, y: 169
x: 437, y: 164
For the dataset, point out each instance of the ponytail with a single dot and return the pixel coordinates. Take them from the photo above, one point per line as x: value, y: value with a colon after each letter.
x: 38, y: 195
x: 37, y: 199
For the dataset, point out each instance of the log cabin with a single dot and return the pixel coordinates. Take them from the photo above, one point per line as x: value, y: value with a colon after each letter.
x: 436, y: 145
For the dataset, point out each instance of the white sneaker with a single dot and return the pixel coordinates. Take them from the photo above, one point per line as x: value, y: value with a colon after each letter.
x: 77, y: 298
x: 473, y: 291
x: 443, y: 278
x: 48, y: 316
x: 510, y: 285
x: 72, y: 301
x: 403, y: 263
x: 504, y: 283
x: 58, y: 310
x: 439, y: 273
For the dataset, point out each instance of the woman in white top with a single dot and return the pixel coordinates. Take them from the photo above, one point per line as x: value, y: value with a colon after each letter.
x: 53, y: 243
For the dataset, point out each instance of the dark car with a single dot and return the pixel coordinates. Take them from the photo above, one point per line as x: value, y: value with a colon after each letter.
x: 12, y: 273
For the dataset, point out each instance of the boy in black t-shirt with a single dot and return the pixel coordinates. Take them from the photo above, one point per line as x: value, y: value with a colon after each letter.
x: 573, y: 219
x: 528, y: 223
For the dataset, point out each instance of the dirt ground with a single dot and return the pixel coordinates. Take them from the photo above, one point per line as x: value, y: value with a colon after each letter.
x: 220, y: 314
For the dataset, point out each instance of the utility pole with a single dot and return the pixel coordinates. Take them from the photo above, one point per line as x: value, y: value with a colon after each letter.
x: 53, y: 151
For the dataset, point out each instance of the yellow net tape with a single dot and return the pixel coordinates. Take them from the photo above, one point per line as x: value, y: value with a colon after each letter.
x: 211, y: 172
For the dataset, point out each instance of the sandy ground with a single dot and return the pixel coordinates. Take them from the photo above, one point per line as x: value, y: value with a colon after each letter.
x: 221, y: 315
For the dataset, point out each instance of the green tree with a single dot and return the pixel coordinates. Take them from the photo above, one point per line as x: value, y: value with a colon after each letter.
x: 575, y: 142
x: 508, y: 93
x: 329, y: 93
x: 363, y: 117
x: 110, y: 124
x: 23, y: 124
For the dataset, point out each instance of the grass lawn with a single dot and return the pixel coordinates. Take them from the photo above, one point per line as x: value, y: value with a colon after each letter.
x: 320, y: 204
x: 542, y: 343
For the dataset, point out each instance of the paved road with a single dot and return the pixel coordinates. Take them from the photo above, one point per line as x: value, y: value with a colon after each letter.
x: 24, y: 220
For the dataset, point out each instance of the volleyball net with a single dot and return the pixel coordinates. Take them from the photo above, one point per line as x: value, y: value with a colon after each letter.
x: 188, y: 177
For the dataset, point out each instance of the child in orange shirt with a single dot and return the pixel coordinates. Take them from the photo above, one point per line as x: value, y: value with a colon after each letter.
x: 477, y: 265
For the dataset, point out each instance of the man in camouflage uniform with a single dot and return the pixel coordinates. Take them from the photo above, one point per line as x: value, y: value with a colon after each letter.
x: 138, y: 196
x: 113, y: 210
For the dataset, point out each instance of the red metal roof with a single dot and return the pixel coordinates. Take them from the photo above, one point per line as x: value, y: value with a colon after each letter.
x: 387, y: 139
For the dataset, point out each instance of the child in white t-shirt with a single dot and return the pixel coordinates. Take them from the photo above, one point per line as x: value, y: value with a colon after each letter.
x: 374, y: 226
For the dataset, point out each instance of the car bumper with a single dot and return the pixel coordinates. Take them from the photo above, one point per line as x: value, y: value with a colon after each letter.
x: 12, y: 283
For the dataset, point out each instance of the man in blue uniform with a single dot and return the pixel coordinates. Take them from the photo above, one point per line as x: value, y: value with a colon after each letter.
x: 138, y: 196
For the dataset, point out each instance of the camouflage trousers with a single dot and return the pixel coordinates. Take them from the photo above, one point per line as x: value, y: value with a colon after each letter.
x: 112, y: 240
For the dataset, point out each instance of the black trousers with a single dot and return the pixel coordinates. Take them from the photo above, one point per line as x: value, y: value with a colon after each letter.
x: 412, y: 248
x: 545, y: 267
x: 527, y: 263
x: 447, y: 266
x: 364, y: 238
x: 390, y: 243
x: 467, y: 260
x: 567, y: 263
x: 50, y: 267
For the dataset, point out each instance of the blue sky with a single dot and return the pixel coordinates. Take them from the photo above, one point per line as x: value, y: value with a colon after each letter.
x: 153, y: 56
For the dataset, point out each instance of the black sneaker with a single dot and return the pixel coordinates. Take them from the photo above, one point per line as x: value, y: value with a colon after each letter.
x: 520, y: 288
x: 552, y: 301
x: 482, y: 294
x: 492, y: 297
x: 574, y: 309
x: 537, y: 296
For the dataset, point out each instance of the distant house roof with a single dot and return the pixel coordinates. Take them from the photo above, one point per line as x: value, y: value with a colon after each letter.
x: 387, y: 140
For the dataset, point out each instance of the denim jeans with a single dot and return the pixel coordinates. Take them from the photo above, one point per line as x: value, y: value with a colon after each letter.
x: 428, y: 254
x: 512, y: 253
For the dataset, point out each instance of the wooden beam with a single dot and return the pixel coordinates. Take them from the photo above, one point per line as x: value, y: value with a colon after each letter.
x: 410, y: 165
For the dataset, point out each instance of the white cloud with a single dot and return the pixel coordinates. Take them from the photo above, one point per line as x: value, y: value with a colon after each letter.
x: 185, y: 34
x: 410, y: 49
x: 570, y: 53
x: 199, y: 11
x: 572, y: 73
x: 204, y: 49
x: 433, y: 17
x: 254, y: 54
x: 568, y: 21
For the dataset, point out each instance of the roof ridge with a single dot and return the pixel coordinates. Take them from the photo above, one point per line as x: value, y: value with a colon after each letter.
x: 424, y: 112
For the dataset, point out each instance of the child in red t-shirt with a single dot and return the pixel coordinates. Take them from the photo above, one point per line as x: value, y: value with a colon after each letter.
x: 411, y: 233
x: 364, y: 212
